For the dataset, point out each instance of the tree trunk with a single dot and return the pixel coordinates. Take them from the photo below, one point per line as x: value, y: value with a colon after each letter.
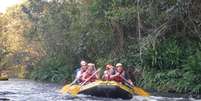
x: 118, y: 38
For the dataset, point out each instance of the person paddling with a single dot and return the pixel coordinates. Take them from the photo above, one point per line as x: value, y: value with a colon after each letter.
x: 120, y: 74
x: 83, y: 68
x: 109, y: 70
x: 90, y: 71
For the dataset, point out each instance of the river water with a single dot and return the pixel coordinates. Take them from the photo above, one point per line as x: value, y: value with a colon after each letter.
x: 27, y: 90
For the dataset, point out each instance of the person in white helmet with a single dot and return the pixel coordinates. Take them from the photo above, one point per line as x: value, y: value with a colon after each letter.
x: 121, y: 75
x: 82, y: 69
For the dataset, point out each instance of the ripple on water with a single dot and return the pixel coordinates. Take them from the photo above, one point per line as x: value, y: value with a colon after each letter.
x: 4, y: 99
x: 27, y: 90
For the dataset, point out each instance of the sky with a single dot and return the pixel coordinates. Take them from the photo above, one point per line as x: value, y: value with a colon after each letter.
x: 4, y: 4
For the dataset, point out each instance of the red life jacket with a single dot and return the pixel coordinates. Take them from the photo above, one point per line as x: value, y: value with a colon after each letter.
x: 118, y: 78
x: 92, y: 79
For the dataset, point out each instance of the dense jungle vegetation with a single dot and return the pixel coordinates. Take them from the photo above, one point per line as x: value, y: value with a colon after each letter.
x: 158, y: 41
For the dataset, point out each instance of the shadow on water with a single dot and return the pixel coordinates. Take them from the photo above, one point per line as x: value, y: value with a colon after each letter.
x: 27, y: 90
x: 4, y: 99
x: 5, y: 92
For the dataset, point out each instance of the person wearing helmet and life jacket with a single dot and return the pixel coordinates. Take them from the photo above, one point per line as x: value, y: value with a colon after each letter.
x: 89, y: 72
x: 121, y: 75
x: 80, y: 71
x: 109, y: 70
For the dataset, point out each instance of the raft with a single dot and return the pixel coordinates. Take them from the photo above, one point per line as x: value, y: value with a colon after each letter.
x: 108, y: 89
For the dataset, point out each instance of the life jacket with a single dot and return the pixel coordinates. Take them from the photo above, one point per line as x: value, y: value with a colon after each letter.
x: 118, y: 78
x: 92, y: 79
x: 108, y: 73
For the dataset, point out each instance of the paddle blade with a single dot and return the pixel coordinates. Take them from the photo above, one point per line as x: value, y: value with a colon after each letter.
x: 74, y: 90
x: 65, y: 89
x: 140, y: 91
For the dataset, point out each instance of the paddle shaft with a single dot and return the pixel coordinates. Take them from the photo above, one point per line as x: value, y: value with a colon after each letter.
x: 137, y: 90
x: 74, y: 81
x: 130, y: 85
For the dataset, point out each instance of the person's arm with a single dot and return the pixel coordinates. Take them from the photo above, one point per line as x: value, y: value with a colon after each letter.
x: 83, y: 77
x: 97, y: 75
x: 113, y: 76
x: 130, y: 82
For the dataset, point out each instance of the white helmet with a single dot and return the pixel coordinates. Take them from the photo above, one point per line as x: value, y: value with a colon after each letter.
x: 118, y: 64
x: 83, y: 63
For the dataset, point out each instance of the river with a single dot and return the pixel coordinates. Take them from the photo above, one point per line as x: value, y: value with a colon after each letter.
x: 27, y: 90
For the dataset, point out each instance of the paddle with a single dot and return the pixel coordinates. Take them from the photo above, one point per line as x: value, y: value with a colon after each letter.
x: 136, y: 90
x: 66, y: 88
x: 76, y: 88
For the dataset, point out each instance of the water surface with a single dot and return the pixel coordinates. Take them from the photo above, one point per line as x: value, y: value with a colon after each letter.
x: 28, y: 90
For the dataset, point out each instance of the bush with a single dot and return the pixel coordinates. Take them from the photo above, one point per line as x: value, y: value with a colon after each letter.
x: 166, y: 55
x: 173, y: 67
x: 51, y: 69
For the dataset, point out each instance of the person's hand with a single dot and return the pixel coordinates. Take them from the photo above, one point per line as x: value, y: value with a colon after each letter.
x: 131, y: 83
x: 117, y: 74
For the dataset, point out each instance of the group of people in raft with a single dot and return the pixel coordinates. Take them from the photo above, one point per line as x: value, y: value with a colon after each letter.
x: 111, y: 73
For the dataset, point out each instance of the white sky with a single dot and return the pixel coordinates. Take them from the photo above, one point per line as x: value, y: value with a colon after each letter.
x: 4, y: 4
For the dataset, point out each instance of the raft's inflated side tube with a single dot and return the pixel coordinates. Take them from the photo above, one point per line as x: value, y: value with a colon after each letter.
x: 109, y: 89
x: 3, y: 78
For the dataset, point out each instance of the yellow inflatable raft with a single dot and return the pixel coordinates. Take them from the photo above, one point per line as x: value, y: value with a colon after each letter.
x: 109, y: 89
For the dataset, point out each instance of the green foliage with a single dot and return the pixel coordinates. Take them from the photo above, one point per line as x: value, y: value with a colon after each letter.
x: 167, y: 55
x: 51, y: 69
x: 193, y: 63
x: 192, y: 69
x: 56, y: 35
x: 172, y: 67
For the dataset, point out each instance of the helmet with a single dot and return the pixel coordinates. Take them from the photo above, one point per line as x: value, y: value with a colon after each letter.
x: 83, y: 63
x: 91, y: 64
x: 118, y: 64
